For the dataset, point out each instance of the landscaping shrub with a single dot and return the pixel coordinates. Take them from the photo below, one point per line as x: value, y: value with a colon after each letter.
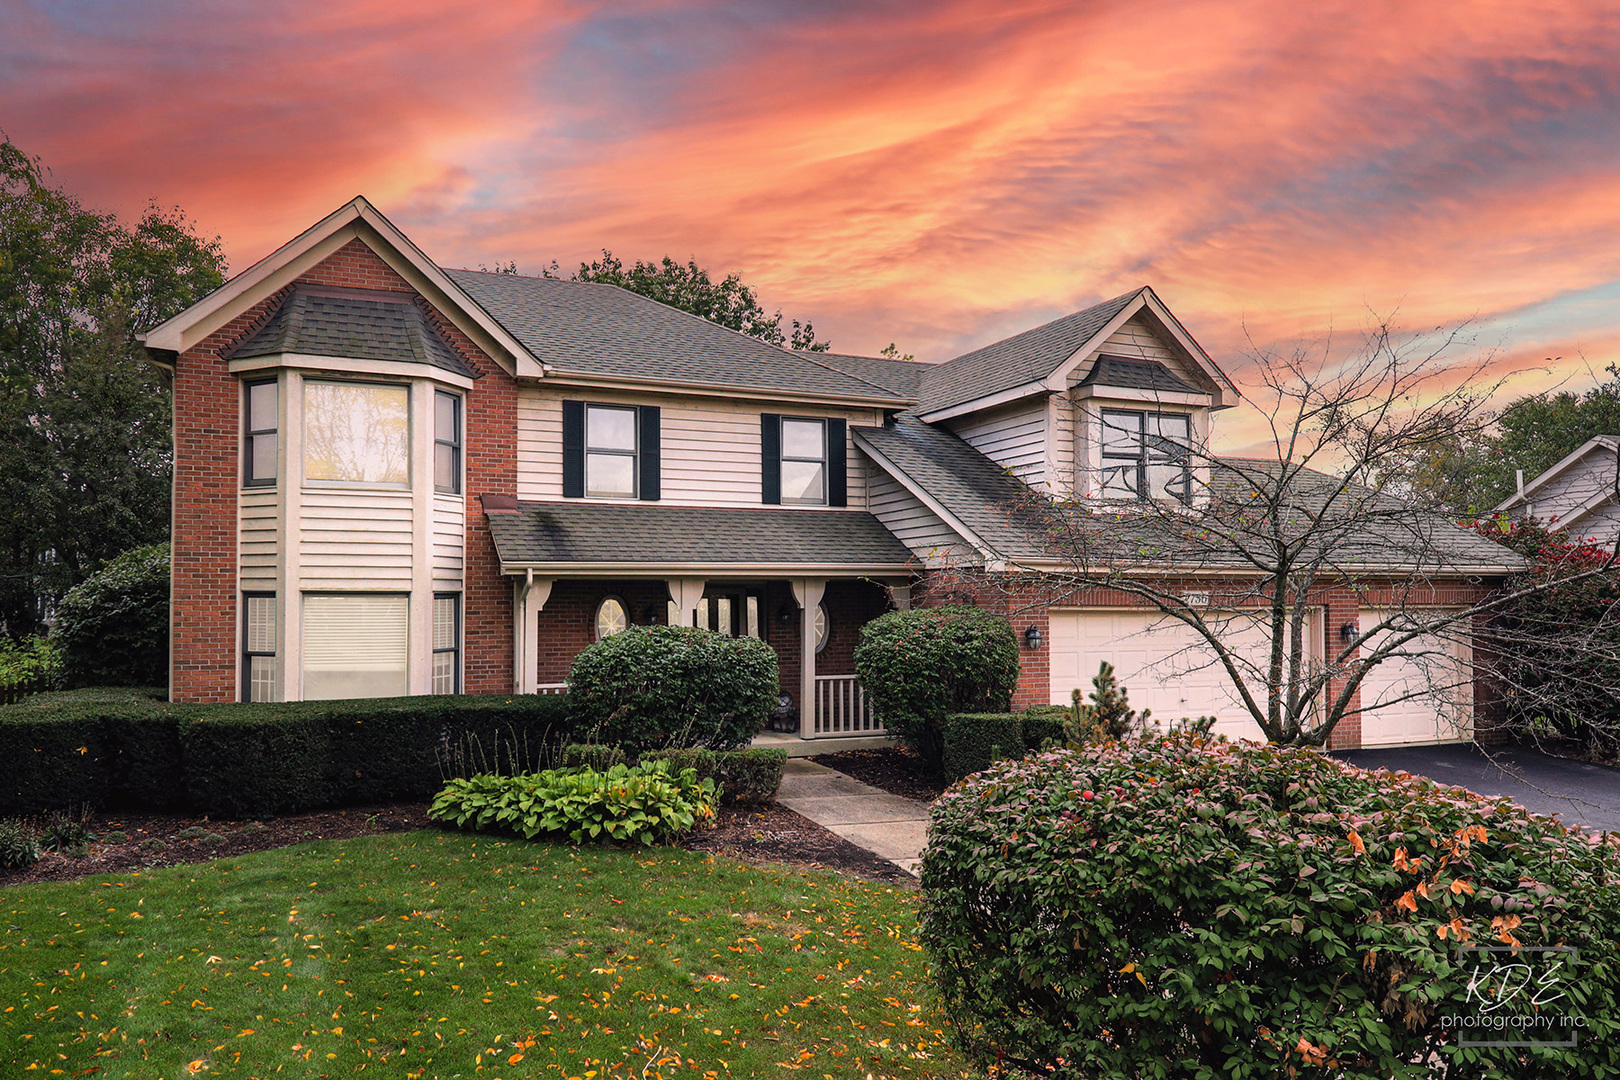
x: 628, y: 804
x: 28, y: 666
x: 113, y: 627
x: 1044, y: 726
x: 66, y: 831
x: 591, y: 756
x: 918, y: 667
x: 974, y: 740
x: 1176, y: 907
x: 256, y: 759
x: 18, y: 847
x: 658, y: 687
x: 706, y: 763
x: 105, y: 748
x: 751, y: 776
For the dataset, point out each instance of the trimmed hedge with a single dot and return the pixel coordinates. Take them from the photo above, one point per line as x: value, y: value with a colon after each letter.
x: 662, y: 687
x: 1176, y: 907
x: 1045, y: 725
x: 918, y: 667
x: 743, y: 776
x: 973, y: 741
x: 120, y: 748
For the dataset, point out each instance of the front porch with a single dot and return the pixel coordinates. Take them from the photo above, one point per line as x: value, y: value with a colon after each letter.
x: 813, y: 625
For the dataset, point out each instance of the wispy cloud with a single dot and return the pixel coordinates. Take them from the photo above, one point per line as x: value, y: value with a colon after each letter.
x: 934, y: 174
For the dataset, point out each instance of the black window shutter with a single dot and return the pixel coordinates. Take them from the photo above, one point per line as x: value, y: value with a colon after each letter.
x: 770, y: 450
x: 837, y: 465
x: 649, y: 462
x: 573, y: 438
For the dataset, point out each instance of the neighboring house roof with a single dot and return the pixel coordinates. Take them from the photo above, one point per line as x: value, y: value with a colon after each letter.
x: 624, y: 535
x: 1137, y: 375
x: 1576, y: 459
x: 992, y: 509
x: 357, y: 323
x: 594, y: 329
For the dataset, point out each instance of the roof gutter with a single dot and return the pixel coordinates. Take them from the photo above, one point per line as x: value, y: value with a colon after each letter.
x: 708, y: 389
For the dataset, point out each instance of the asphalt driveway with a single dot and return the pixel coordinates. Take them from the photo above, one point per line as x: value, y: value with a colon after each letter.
x: 1579, y: 793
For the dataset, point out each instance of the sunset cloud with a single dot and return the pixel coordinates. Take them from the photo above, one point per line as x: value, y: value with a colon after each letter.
x: 937, y: 175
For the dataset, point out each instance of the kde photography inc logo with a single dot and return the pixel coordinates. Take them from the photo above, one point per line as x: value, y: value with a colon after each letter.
x: 1516, y: 996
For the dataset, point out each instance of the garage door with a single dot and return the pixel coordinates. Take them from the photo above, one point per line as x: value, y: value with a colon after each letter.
x: 1163, y: 662
x: 1423, y: 694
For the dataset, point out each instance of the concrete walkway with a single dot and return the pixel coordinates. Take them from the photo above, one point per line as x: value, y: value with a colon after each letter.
x: 886, y: 825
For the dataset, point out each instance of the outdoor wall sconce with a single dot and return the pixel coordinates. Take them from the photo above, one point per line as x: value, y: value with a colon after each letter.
x: 1032, y: 637
x: 784, y: 615
x: 1347, y: 632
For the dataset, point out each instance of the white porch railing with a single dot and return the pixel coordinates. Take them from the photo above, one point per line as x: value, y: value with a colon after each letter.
x: 842, y: 708
x: 552, y: 688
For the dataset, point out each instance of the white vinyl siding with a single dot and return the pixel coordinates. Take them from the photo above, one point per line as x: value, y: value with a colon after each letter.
x: 1136, y: 341
x: 356, y: 540
x: 355, y: 645
x: 1013, y: 437
x: 710, y: 449
x: 258, y: 513
x: 449, y: 539
x: 916, y: 526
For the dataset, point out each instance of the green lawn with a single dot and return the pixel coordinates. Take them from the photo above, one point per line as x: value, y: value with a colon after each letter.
x: 433, y: 954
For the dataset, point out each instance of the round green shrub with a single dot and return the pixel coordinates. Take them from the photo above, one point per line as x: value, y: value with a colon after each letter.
x: 662, y: 687
x: 113, y: 627
x: 918, y: 667
x: 1182, y: 908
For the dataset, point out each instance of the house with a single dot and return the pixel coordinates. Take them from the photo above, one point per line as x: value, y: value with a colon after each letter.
x: 395, y: 478
x: 1579, y: 496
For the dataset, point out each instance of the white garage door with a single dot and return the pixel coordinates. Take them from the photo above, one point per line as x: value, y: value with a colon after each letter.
x: 1422, y: 694
x: 1164, y: 664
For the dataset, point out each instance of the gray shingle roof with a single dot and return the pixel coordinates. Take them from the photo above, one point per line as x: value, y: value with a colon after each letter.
x: 997, y: 507
x: 658, y: 534
x: 594, y: 329
x: 1137, y: 375
x: 902, y: 376
x: 357, y: 323
x: 1023, y: 358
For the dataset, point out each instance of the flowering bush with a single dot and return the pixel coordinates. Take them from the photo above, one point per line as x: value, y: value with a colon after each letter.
x: 1180, y: 908
x: 918, y: 667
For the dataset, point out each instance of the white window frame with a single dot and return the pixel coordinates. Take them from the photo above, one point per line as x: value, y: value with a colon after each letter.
x: 457, y: 445
x: 634, y: 454
x: 1144, y: 456
x: 596, y: 616
x: 785, y: 457
x: 410, y: 435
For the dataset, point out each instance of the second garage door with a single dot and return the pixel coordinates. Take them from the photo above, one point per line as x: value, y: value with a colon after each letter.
x: 1164, y: 664
x: 1422, y: 694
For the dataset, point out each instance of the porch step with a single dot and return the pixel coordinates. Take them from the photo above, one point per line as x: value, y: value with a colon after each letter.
x: 831, y: 744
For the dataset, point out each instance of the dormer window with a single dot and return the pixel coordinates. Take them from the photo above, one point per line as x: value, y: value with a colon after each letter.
x: 1146, y: 455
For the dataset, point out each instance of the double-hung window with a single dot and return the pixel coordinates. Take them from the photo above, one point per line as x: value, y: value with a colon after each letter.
x: 446, y: 442
x: 803, y: 461
x: 258, y: 646
x: 610, y: 452
x: 259, y: 445
x: 1145, y: 455
x: 447, y: 643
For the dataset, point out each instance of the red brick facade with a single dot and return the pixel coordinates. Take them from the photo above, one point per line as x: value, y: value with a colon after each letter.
x: 205, y: 630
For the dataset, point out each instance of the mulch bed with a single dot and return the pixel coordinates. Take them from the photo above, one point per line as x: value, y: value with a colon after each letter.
x: 751, y: 834
x: 895, y: 769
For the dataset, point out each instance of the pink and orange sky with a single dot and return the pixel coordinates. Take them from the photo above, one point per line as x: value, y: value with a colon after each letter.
x: 934, y: 174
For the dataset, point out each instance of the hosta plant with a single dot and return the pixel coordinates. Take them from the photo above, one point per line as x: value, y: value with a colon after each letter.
x: 644, y: 804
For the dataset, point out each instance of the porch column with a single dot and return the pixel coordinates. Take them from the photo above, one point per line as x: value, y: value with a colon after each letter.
x: 529, y: 596
x: 808, y: 592
x: 686, y: 592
